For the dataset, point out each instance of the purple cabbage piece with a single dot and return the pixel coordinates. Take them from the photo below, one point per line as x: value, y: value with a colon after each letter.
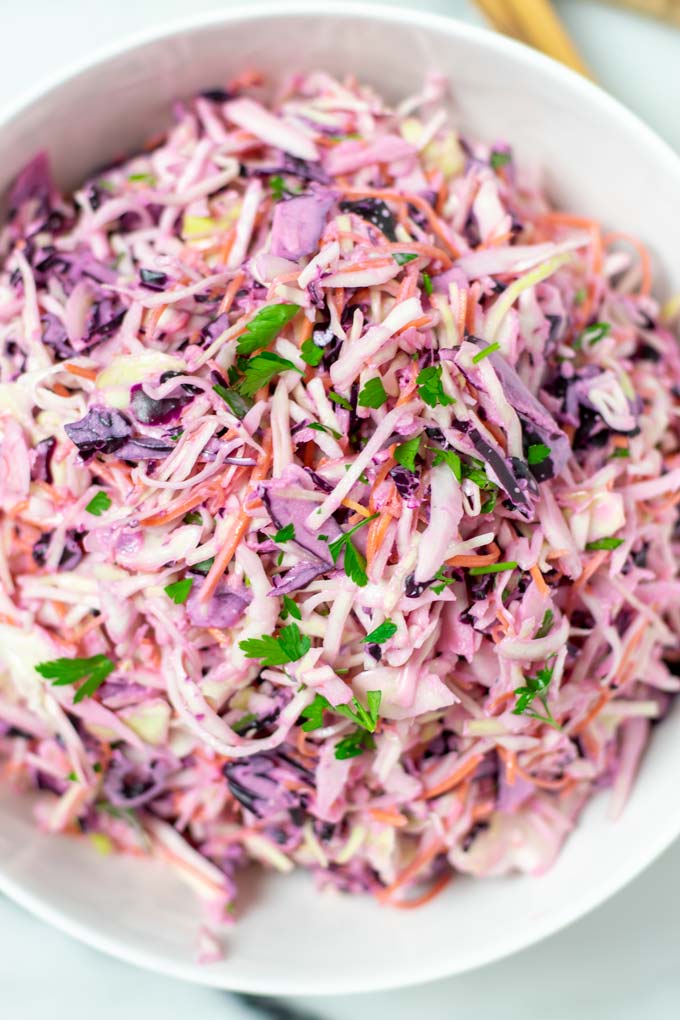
x: 299, y: 222
x: 143, y: 448
x: 259, y: 783
x: 505, y: 471
x: 71, y: 268
x: 407, y: 483
x: 104, y: 319
x: 223, y: 609
x: 56, y: 337
x: 215, y: 328
x: 299, y: 576
x: 152, y: 411
x: 131, y: 784
x: 71, y: 555
x: 285, y: 508
x: 102, y: 430
x: 33, y: 184
x: 534, y: 417
x: 41, y: 470
x: 374, y: 211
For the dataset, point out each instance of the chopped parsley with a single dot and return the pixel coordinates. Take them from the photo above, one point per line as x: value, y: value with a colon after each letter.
x: 537, y: 453
x: 372, y: 394
x: 383, y: 632
x: 494, y: 568
x: 430, y: 388
x: 448, y: 457
x: 620, y: 451
x: 237, y: 404
x: 244, y: 723
x: 427, y: 283
x: 261, y: 369
x: 366, y: 718
x: 443, y: 581
x: 499, y: 159
x: 406, y: 453
x: 311, y: 353
x: 203, y: 567
x: 340, y: 401
x: 354, y: 745
x: 489, y: 504
x: 580, y: 295
x: 604, y: 543
x: 265, y: 327
x: 354, y: 562
x: 179, y: 591
x: 93, y: 671
x: 285, y: 534
x: 143, y: 179
x: 593, y: 334
x: 289, y: 646
x: 290, y: 608
x: 546, y: 624
x: 318, y: 427
x: 485, y: 352
x: 277, y: 187
x: 193, y: 517
x: 98, y: 504
x: 402, y: 257
x: 536, y: 687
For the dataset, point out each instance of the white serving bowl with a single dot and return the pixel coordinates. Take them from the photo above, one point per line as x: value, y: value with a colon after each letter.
x: 600, y: 161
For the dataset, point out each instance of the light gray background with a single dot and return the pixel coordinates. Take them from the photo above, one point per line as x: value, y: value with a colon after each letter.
x: 621, y: 962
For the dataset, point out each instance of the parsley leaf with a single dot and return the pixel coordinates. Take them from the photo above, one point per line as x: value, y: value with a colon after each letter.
x: 314, y: 713
x: 427, y: 283
x: 261, y: 369
x: 277, y: 186
x: 290, y: 608
x: 143, y: 179
x: 285, y: 534
x: 179, y: 591
x: 193, y: 517
x: 340, y: 401
x: 489, y: 504
x: 203, y: 567
x: 620, y: 451
x: 237, y: 404
x: 310, y: 353
x: 289, y: 646
x: 367, y: 718
x: 536, y: 687
x: 441, y: 577
x: 604, y: 543
x: 402, y: 257
x: 537, y: 453
x: 318, y: 427
x: 244, y: 723
x: 485, y: 352
x: 430, y: 387
x: 373, y: 394
x: 499, y: 159
x: 406, y: 453
x: 93, y: 671
x: 448, y: 457
x: 594, y: 333
x: 354, y: 745
x: 546, y: 624
x: 355, y: 564
x: 98, y: 504
x: 383, y: 632
x: 265, y: 327
x: 580, y: 296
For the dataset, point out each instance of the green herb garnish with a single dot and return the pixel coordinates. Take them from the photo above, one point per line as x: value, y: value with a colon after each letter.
x: 594, y: 333
x: 402, y: 257
x: 485, y: 352
x: 143, y: 179
x: 383, y: 632
x: 98, y: 504
x: 354, y: 745
x: 372, y: 394
x: 537, y: 453
x: 448, y: 457
x: 620, y: 451
x: 354, y: 562
x: 193, y: 517
x: 204, y: 566
x: 546, y: 624
x: 536, y: 687
x: 406, y: 453
x: 237, y: 404
x: 265, y: 327
x: 427, y: 283
x: 493, y: 568
x: 430, y: 388
x: 244, y: 723
x: 366, y: 718
x: 179, y: 590
x: 444, y: 581
x: 290, y: 608
x: 340, y: 401
x: 62, y: 672
x: 604, y: 543
x: 285, y: 534
x: 261, y: 369
x: 311, y: 353
x: 318, y: 427
x: 499, y: 159
x: 289, y: 646
x: 277, y: 186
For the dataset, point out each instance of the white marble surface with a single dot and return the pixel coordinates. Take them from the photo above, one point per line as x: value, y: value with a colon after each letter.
x: 617, y: 964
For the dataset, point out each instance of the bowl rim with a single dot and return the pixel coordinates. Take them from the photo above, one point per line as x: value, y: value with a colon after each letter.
x: 583, y: 90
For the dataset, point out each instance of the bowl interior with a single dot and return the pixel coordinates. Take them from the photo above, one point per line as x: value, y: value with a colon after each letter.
x: 598, y: 161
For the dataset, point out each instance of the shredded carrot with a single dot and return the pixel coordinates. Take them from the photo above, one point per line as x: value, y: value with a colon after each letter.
x: 421, y: 320
x: 420, y: 861
x: 602, y: 700
x: 408, y: 198
x: 377, y: 530
x: 539, y: 580
x: 357, y: 507
x: 420, y: 901
x: 230, y: 293
x: 476, y: 559
x: 84, y: 373
x: 455, y: 778
x: 389, y: 817
x: 241, y: 525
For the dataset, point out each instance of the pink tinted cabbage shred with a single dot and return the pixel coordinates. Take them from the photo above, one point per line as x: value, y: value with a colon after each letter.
x: 120, y: 311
